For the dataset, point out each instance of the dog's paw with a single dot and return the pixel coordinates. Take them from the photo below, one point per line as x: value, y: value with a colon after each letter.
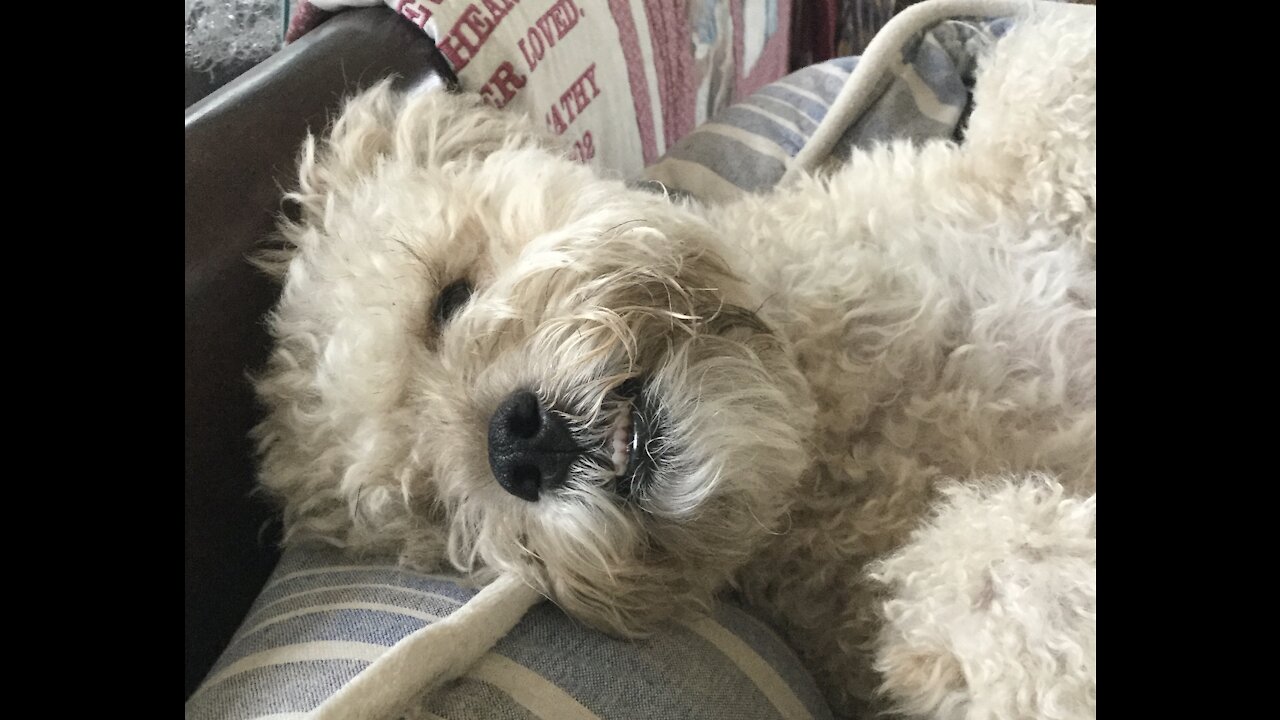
x: 992, y: 609
x: 1034, y: 123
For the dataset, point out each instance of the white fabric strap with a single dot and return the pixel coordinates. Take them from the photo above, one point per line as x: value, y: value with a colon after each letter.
x: 432, y: 655
x: 884, y: 50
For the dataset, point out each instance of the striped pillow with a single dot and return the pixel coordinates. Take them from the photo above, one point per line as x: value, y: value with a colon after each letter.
x: 922, y: 94
x: 323, y: 616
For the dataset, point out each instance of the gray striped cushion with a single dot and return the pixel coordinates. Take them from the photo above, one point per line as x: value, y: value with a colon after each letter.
x: 323, y: 616
x: 749, y: 146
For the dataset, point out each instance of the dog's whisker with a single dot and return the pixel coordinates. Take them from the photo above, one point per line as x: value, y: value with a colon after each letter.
x: 621, y: 224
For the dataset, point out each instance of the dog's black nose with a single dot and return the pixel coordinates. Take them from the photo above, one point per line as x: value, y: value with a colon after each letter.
x: 530, y: 447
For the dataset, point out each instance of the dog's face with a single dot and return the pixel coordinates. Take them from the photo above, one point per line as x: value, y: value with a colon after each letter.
x: 485, y: 346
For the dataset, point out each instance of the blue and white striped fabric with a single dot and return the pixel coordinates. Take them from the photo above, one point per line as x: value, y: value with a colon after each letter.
x: 749, y: 146
x: 323, y: 616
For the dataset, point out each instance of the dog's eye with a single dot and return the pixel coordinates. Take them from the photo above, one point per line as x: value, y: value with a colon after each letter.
x: 291, y: 209
x: 451, y: 299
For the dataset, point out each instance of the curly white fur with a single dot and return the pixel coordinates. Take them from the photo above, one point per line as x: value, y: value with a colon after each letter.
x: 875, y: 388
x: 994, y: 605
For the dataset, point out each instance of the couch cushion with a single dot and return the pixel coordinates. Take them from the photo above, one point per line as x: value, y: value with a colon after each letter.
x: 325, y: 615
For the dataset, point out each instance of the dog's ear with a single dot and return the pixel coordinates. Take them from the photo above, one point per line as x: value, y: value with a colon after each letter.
x: 429, y: 128
x: 361, y: 134
x: 424, y: 128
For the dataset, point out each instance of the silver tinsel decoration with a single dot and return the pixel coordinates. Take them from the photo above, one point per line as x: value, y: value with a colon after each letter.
x: 226, y: 34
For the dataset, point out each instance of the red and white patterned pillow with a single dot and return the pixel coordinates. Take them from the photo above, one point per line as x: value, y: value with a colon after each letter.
x: 620, y: 80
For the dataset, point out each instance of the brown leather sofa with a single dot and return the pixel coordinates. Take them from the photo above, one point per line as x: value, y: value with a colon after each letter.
x: 240, y: 146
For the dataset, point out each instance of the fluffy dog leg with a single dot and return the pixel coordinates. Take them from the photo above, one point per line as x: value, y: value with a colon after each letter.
x: 992, y: 609
x: 1034, y: 123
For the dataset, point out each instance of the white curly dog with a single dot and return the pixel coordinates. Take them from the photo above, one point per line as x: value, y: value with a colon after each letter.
x: 865, y: 400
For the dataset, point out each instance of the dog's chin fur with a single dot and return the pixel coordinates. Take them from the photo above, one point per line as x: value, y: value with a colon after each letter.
x: 817, y: 365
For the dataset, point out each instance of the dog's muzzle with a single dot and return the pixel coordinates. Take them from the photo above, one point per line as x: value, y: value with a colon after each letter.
x: 530, y: 447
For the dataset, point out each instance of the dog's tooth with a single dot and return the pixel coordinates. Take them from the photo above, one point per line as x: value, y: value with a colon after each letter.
x: 620, y: 439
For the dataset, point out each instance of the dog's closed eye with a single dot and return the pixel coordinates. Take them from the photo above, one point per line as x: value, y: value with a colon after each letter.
x: 450, y: 300
x: 291, y: 209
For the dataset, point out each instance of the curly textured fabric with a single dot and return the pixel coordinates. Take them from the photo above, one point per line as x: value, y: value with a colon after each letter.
x: 232, y: 33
